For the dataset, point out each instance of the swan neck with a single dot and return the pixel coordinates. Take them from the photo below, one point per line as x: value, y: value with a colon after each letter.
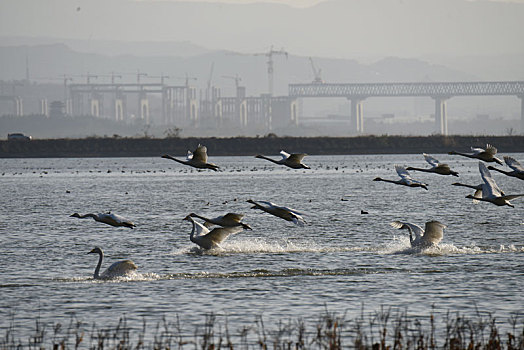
x: 96, y: 275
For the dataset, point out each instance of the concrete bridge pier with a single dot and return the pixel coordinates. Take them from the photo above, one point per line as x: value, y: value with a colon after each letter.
x: 521, y: 114
x: 357, y: 115
x: 441, y: 116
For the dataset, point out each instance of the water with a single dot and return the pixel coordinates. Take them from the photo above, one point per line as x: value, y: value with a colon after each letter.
x: 340, y: 261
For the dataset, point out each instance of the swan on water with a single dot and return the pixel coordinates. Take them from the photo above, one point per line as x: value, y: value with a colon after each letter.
x: 210, y: 239
x: 293, y: 160
x: 436, y: 167
x: 486, y: 155
x: 285, y: 213
x: 196, y: 159
x: 518, y: 169
x: 117, y: 269
x: 227, y: 220
x: 491, y: 192
x: 405, y: 179
x: 107, y: 218
x: 431, y: 236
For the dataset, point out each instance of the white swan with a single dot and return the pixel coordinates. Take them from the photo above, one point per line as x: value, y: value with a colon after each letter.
x: 293, y: 160
x: 491, y: 192
x: 117, y: 269
x: 431, y: 236
x: 210, y: 239
x: 486, y: 155
x: 107, y: 218
x: 227, y: 220
x: 518, y: 169
x: 436, y: 167
x: 196, y: 159
x: 405, y: 179
x: 285, y: 213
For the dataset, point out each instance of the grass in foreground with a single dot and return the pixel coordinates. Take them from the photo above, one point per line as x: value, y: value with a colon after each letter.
x: 381, y: 330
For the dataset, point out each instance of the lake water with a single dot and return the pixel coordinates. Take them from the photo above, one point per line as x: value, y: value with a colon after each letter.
x: 341, y: 261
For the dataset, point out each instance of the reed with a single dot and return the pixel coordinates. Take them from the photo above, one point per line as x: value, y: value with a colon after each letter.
x: 381, y: 330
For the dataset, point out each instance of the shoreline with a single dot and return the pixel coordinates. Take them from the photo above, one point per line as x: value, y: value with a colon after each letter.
x: 248, y: 146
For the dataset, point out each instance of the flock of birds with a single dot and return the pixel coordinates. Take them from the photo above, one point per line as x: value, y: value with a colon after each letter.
x: 208, y: 237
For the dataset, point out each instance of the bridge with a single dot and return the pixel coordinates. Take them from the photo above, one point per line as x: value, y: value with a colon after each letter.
x: 439, y: 91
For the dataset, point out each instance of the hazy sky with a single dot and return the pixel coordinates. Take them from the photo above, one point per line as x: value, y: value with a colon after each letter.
x: 335, y: 28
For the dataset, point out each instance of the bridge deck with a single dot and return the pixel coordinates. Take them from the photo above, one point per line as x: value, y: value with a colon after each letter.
x: 436, y: 90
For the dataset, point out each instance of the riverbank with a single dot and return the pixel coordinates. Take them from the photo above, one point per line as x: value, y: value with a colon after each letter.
x: 246, y: 146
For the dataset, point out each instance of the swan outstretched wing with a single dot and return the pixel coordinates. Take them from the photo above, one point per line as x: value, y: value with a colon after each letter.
x: 490, y: 188
x: 284, y: 154
x: 296, y: 157
x: 233, y: 217
x: 512, y: 196
x: 416, y: 229
x: 219, y: 234
x: 513, y: 164
x: 491, y: 150
x: 201, y: 230
x: 477, y: 150
x: 200, y: 154
x: 434, y: 232
x: 402, y: 172
x: 431, y: 160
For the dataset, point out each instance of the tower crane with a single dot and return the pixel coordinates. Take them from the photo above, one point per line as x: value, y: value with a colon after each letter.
x: 236, y: 78
x: 316, y: 73
x: 269, y: 56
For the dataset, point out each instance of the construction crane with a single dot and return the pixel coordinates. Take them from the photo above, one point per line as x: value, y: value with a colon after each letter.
x: 236, y: 78
x: 269, y: 56
x: 316, y: 73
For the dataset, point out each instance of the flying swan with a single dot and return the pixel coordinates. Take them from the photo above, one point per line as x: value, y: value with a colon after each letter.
x: 107, y: 218
x: 486, y: 155
x: 227, y: 220
x: 518, y: 169
x: 196, y: 159
x: 293, y: 160
x: 117, y: 269
x: 491, y: 192
x: 206, y: 239
x: 436, y: 167
x: 429, y: 237
x: 285, y: 213
x: 405, y: 179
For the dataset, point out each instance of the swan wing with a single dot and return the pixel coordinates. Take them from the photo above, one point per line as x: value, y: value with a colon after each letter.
x: 298, y: 220
x: 416, y: 229
x: 284, y: 154
x: 402, y: 172
x: 512, y: 196
x: 514, y: 164
x: 119, y: 268
x: 233, y: 217
x: 219, y: 234
x: 189, y: 155
x: 491, y: 150
x: 118, y: 218
x: 200, y: 154
x: 477, y: 194
x: 431, y: 160
x: 296, y: 157
x: 296, y: 212
x: 477, y: 150
x: 201, y: 230
x: 490, y: 188
x: 434, y: 233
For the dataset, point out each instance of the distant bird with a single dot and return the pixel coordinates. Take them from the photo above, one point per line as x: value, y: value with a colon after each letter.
x: 117, y: 269
x: 423, y: 238
x: 196, y: 159
x: 285, y: 213
x: 405, y: 179
x: 491, y: 192
x: 518, y: 169
x: 293, y: 160
x: 107, y: 218
x: 363, y: 212
x: 486, y: 155
x: 436, y: 167
x: 206, y: 239
x: 227, y: 220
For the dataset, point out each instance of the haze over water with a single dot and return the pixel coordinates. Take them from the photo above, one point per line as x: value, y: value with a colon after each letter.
x: 341, y: 260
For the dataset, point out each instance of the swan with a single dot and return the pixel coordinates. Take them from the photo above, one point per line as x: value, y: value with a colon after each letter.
x: 285, y: 213
x: 477, y: 188
x: 518, y: 169
x: 486, y: 155
x: 227, y: 220
x: 293, y: 160
x: 117, y: 269
x: 431, y: 236
x: 196, y: 159
x: 210, y: 239
x: 107, y: 218
x: 405, y: 179
x: 491, y: 192
x: 436, y: 167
